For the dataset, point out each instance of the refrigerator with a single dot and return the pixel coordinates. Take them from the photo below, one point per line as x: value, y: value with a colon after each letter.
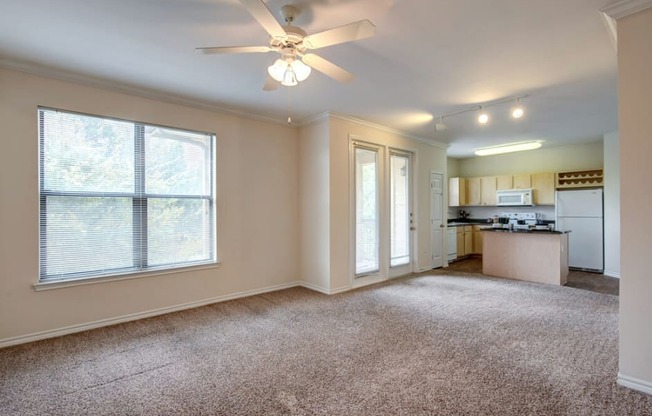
x: 580, y: 211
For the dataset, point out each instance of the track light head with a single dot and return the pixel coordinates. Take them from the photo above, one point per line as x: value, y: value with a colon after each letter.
x: 517, y: 110
x: 483, y: 118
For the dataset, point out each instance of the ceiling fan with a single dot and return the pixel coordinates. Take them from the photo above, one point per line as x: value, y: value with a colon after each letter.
x: 292, y: 42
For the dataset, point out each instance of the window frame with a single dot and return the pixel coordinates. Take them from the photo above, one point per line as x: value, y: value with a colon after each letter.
x: 139, y: 199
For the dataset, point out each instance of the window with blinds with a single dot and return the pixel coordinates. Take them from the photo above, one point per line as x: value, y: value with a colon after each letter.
x: 120, y: 197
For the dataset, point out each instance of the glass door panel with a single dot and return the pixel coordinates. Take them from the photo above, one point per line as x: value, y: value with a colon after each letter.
x: 367, y: 218
x: 399, y: 210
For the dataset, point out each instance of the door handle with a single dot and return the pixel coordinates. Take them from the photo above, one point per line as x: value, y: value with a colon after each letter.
x: 412, y: 228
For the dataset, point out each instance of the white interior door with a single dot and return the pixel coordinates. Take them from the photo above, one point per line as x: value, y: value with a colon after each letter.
x: 401, y: 219
x: 437, y: 218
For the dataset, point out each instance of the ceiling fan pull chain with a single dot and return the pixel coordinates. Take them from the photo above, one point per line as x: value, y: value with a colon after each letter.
x: 289, y: 117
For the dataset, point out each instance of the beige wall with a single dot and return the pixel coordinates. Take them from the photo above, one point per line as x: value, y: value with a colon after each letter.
x: 314, y: 186
x: 453, y: 167
x: 635, y: 127
x: 258, y: 207
x: 546, y: 159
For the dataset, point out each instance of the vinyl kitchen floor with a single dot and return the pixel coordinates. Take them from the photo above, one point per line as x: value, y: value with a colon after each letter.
x: 594, y: 282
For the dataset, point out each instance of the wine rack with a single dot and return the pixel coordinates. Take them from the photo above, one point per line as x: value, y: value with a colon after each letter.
x: 591, y: 178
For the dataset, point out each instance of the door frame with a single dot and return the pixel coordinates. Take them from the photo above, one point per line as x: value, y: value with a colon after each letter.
x: 409, y: 267
x: 444, y: 216
x: 384, y: 243
x: 381, y: 274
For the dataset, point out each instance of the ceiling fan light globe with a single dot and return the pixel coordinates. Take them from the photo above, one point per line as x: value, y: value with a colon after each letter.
x: 289, y: 79
x: 277, y: 70
x: 301, y: 70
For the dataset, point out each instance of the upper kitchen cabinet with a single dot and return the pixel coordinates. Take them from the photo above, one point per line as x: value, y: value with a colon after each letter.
x: 473, y: 191
x: 522, y: 181
x: 504, y: 182
x: 543, y: 185
x: 456, y: 192
x: 488, y: 190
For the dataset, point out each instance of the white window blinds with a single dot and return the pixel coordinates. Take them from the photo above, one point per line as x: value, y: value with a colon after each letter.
x: 121, y: 197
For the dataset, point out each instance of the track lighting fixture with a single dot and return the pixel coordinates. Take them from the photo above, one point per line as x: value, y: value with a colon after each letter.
x: 483, y: 118
x: 517, y: 111
x: 440, y: 126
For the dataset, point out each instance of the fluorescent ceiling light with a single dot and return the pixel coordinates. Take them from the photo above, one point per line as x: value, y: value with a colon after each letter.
x: 507, y: 148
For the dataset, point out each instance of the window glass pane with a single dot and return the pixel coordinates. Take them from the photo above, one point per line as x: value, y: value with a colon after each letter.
x: 367, y: 219
x: 177, y: 162
x: 84, y: 153
x: 120, y: 197
x: 399, y: 210
x: 86, y: 234
x: 179, y: 230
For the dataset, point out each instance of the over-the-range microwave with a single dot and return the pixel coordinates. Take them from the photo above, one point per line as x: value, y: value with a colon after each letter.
x: 514, y: 198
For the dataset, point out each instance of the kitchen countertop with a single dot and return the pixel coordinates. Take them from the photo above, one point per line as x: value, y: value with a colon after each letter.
x: 505, y: 230
x: 461, y: 224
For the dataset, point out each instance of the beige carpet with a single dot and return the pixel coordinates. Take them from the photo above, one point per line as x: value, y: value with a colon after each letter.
x: 436, y: 344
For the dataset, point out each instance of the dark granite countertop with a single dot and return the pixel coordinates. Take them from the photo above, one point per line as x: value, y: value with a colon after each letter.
x: 505, y: 230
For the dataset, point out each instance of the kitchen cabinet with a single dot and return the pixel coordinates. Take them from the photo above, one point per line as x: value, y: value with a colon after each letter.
x: 464, y: 240
x: 456, y: 192
x: 468, y: 239
x: 543, y: 185
x: 460, y: 241
x: 488, y: 190
x: 504, y: 182
x: 473, y: 191
x: 477, y: 239
x: 522, y: 181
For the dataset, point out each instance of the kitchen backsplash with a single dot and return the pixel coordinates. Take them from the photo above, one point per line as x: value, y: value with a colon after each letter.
x: 547, y: 212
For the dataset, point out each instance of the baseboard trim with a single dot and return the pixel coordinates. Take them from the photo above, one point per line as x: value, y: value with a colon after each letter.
x: 634, y: 383
x: 324, y: 290
x: 611, y: 274
x: 37, y: 336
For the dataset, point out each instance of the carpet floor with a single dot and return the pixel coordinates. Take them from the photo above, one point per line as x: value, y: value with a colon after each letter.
x: 441, y: 343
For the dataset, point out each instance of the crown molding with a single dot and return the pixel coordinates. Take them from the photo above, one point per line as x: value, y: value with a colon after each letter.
x: 612, y: 27
x: 202, y: 105
x: 89, y: 81
x: 625, y: 8
x: 386, y: 129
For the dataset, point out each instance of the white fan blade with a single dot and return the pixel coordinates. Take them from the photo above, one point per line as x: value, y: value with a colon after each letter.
x: 261, y: 13
x: 233, y: 49
x: 270, y: 84
x: 347, y: 33
x: 327, y: 67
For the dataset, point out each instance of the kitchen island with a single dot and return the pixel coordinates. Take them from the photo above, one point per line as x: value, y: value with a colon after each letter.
x: 535, y: 256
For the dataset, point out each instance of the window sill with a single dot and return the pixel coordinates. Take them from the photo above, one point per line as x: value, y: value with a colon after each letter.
x: 60, y: 284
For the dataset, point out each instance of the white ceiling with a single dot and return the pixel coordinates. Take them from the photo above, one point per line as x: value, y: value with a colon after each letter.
x: 427, y: 58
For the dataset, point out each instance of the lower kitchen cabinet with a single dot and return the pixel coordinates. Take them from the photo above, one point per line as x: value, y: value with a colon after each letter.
x: 468, y: 239
x: 477, y: 239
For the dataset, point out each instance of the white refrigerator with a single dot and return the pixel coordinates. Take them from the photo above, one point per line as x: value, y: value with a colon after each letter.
x: 580, y: 211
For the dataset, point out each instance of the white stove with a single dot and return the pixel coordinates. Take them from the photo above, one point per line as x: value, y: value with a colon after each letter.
x: 522, y: 220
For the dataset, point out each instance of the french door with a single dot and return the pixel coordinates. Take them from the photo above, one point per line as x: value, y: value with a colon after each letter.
x: 383, y: 219
x: 401, y: 219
